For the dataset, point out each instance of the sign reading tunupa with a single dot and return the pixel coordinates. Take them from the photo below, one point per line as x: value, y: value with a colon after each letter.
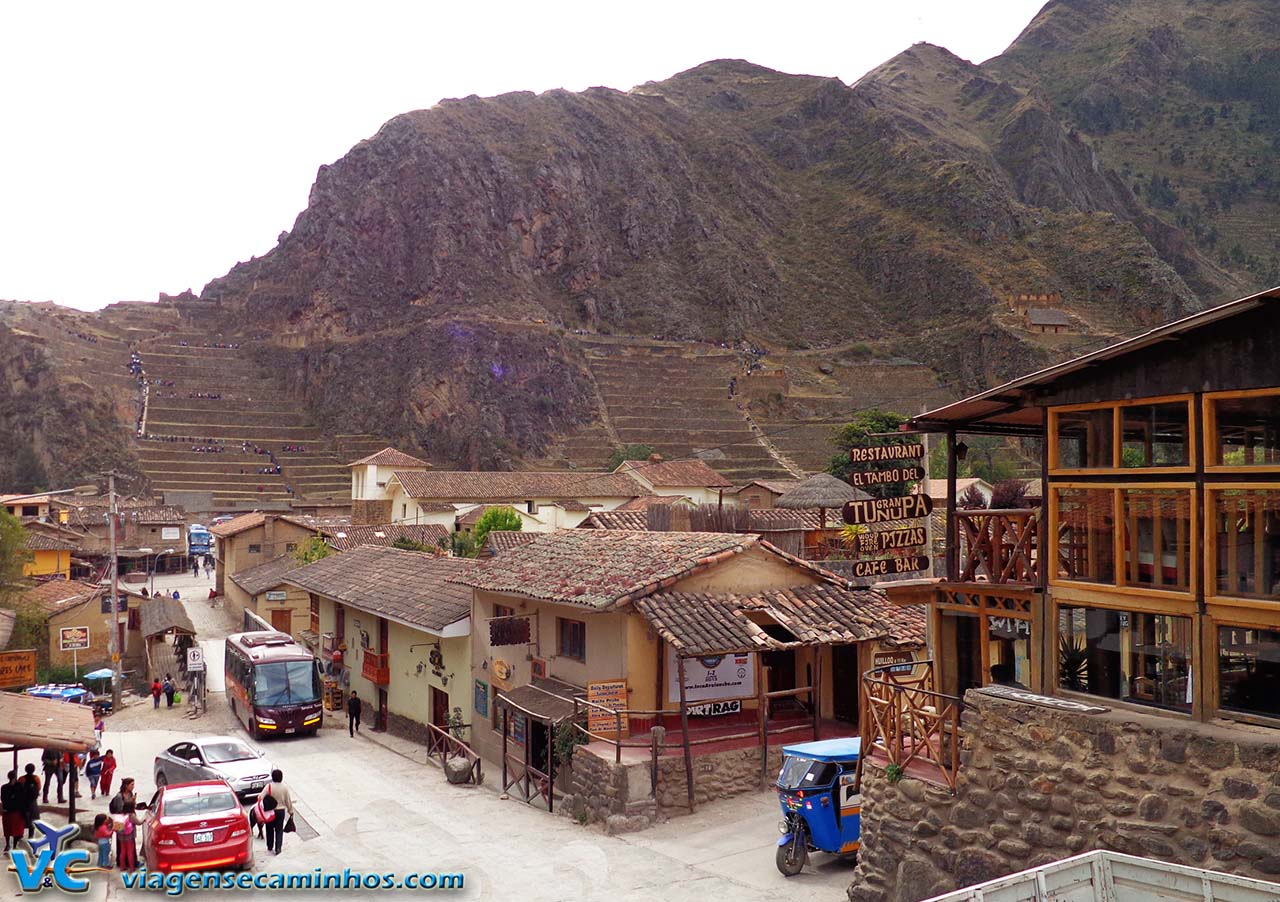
x: 73, y: 638
x: 714, y: 709
x: 864, y: 478
x: 883, y: 454
x: 887, y: 510
x: 711, y: 678
x: 17, y: 668
x: 1014, y: 694
x: 890, y: 566
x: 875, y: 542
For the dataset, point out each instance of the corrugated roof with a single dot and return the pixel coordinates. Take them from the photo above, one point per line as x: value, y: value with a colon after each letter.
x: 480, y: 486
x: 345, y: 538
x: 390, y: 457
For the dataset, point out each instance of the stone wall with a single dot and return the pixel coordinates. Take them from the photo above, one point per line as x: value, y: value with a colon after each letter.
x: 370, y: 513
x: 1037, y: 785
x: 715, y: 776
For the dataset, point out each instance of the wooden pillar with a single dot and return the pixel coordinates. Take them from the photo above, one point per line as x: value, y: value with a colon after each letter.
x: 953, y: 543
x: 660, y: 697
x: 1204, y: 701
x: 815, y: 692
x: 684, y: 730
x: 551, y: 763
x: 528, y: 741
x: 504, y: 750
x: 762, y: 716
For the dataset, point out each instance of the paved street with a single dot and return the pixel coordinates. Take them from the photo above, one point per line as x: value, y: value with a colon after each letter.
x: 375, y: 806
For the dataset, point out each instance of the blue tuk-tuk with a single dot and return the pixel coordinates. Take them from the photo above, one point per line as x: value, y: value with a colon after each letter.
x: 821, y: 801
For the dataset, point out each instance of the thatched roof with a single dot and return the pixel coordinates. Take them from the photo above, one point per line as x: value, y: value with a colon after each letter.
x: 820, y: 490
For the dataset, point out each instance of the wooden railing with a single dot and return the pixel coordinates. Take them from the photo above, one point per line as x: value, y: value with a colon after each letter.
x: 373, y: 667
x: 521, y: 779
x: 998, y: 546
x: 907, y: 721
x: 442, y: 745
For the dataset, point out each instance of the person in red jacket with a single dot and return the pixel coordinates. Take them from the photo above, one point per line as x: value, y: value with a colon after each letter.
x: 155, y: 692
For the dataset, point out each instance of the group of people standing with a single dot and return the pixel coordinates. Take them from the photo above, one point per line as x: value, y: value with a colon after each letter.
x: 21, y: 797
x: 168, y: 688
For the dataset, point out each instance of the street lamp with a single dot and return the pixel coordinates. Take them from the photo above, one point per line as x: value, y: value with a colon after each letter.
x: 155, y: 565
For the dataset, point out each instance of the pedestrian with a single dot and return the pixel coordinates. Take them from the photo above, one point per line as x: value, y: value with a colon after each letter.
x: 31, y: 798
x: 169, y: 689
x: 277, y: 791
x: 71, y: 764
x: 13, y: 809
x: 176, y: 596
x: 93, y: 772
x: 156, y: 689
x: 353, y: 714
x: 99, y: 727
x: 108, y: 771
x: 264, y: 812
x: 122, y: 798
x: 102, y: 830
x: 54, y: 768
x: 195, y: 569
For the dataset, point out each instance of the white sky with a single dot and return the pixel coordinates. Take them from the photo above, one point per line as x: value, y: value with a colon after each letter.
x: 148, y: 146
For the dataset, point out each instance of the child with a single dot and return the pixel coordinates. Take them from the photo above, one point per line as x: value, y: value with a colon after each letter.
x: 127, y: 838
x: 108, y: 771
x: 102, y: 830
x: 93, y: 770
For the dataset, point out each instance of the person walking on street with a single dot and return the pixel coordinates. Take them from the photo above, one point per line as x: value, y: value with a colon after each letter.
x: 52, y: 764
x: 264, y: 813
x: 122, y: 798
x: 13, y: 809
x: 108, y: 771
x: 353, y: 714
x: 169, y: 689
x: 31, y: 798
x: 156, y: 689
x: 278, y: 790
x: 93, y: 772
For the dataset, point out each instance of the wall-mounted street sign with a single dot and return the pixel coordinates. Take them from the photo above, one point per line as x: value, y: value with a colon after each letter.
x: 887, y: 510
x: 890, y: 566
x: 864, y: 478
x: 876, y: 542
x: 883, y: 454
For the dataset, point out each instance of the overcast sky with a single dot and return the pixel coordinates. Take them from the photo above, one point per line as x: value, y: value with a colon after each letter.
x: 148, y: 147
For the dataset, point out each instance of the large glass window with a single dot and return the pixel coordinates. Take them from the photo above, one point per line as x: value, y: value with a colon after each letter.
x: 1157, y: 530
x: 285, y: 683
x: 1249, y: 670
x: 1009, y: 650
x: 1124, y: 655
x: 1085, y: 439
x: 1155, y: 435
x: 1086, y: 535
x: 1248, y: 431
x: 1246, y: 526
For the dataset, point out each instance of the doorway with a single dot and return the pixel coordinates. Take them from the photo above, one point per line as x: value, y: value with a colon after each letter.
x: 846, y: 683
x: 439, y: 709
x: 282, y: 620
x: 968, y: 653
x: 539, y: 745
x: 381, y: 724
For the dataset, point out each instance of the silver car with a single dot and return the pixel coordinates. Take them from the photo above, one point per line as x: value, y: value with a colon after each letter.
x: 215, y: 757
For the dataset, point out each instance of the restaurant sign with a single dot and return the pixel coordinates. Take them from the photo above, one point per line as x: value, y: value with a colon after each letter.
x: 875, y: 542
x: 864, y: 478
x: 73, y: 638
x: 883, y: 454
x: 890, y: 566
x: 897, y: 661
x: 887, y: 510
x: 17, y: 668
x: 512, y: 630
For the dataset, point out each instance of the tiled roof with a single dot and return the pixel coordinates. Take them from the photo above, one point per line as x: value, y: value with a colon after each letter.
x: 478, y: 485
x: 472, y: 517
x: 568, y: 504
x: 500, y: 540
x: 252, y: 520
x: 162, y: 514
x: 675, y: 473
x: 1047, y: 316
x: 616, y: 519
x: 821, y: 614
x: 58, y: 594
x: 237, y: 525
x: 778, y: 519
x: 390, y: 457
x: 39, y: 541
x: 644, y: 502
x: 160, y: 614
x: 410, y: 587
x: 265, y: 576
x: 600, y: 568
x: 344, y: 538
x: 777, y: 486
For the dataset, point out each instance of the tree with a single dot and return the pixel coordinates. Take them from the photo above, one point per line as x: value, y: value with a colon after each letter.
x: 407, y: 544
x: 628, y: 452
x: 860, y: 432
x: 503, y: 518
x: 312, y: 550
x: 13, y: 553
x: 458, y: 544
x: 971, y: 499
x: 1009, y: 494
x: 28, y: 473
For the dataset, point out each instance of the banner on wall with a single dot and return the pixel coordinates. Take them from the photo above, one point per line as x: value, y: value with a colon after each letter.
x: 712, y: 677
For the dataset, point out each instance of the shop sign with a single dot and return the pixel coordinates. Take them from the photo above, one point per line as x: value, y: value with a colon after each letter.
x: 612, y: 694
x: 170, y: 533
x: 17, y: 668
x: 709, y: 678
x: 875, y: 542
x: 1044, y: 701
x: 1009, y: 627
x: 864, y: 478
x: 714, y: 709
x: 890, y: 566
x: 880, y: 454
x: 481, y: 701
x: 73, y: 638
x: 277, y: 595
x: 902, y: 661
x: 887, y: 510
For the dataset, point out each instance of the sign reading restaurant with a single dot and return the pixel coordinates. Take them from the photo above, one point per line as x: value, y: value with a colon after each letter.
x: 882, y: 454
x: 887, y: 510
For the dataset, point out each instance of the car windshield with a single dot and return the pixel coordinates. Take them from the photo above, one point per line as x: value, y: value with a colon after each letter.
x: 801, y: 773
x: 200, y: 803
x: 225, y: 750
x: 285, y: 683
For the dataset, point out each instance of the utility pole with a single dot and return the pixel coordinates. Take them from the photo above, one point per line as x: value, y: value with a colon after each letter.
x: 116, y: 651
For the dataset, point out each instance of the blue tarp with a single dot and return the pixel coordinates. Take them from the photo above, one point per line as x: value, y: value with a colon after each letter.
x: 63, y: 692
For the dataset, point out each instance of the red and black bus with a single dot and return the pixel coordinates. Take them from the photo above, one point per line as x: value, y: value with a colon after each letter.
x: 273, y: 684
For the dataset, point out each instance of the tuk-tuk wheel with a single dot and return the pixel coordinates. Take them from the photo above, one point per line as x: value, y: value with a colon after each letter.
x: 790, y: 858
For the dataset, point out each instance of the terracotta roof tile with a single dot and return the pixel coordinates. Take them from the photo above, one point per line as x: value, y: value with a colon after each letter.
x: 160, y: 614
x: 645, y: 501
x: 500, y: 540
x: 254, y: 519
x: 617, y: 519
x: 265, y: 576
x: 161, y: 514
x: 390, y: 457
x: 39, y: 541
x: 345, y: 538
x: 480, y: 485
x: 675, y: 473
x: 58, y: 594
x: 410, y: 587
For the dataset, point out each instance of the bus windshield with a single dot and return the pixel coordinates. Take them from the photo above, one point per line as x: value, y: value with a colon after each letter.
x: 285, y: 683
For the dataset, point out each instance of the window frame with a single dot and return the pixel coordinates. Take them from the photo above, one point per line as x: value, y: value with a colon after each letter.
x: 561, y: 624
x: 1117, y: 436
x: 1210, y: 550
x: 1210, y: 450
x: 254, y: 548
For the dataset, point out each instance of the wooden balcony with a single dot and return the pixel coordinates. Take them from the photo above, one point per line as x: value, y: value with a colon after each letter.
x: 998, y: 546
x: 906, y: 723
x: 374, y: 668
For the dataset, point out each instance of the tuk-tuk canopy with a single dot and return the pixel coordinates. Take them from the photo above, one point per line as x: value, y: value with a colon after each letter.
x: 833, y: 750
x: 60, y: 691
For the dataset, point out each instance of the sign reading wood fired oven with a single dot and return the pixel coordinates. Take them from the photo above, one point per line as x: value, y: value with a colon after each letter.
x: 884, y: 454
x: 609, y: 694
x: 864, y: 478
x: 875, y: 542
x: 890, y: 566
x: 887, y: 510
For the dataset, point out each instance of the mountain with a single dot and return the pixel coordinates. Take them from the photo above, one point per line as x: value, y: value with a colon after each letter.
x: 1119, y: 159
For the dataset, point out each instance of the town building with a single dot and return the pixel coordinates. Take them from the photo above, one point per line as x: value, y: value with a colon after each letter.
x: 255, y: 538
x: 762, y: 493
x: 79, y: 622
x: 370, y: 501
x: 26, y: 506
x: 691, y: 478
x: 1047, y: 320
x: 262, y: 590
x: 51, y: 552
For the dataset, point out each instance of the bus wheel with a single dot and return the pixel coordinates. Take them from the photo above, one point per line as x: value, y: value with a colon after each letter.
x: 253, y: 728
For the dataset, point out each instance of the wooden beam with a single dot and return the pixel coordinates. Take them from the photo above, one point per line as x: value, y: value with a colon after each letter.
x: 684, y: 730
x: 953, y: 544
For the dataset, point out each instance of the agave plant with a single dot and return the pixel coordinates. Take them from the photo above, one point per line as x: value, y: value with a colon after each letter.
x: 1073, y: 664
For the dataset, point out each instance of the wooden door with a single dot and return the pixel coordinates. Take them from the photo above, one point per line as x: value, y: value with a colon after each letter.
x: 846, y: 683
x: 282, y: 620
x: 381, y: 725
x: 439, y: 708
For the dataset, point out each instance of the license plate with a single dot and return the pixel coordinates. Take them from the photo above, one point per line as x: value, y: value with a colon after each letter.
x: 206, y: 836
x: 257, y: 785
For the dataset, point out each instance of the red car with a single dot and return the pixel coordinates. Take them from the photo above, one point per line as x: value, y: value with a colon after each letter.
x: 196, y: 827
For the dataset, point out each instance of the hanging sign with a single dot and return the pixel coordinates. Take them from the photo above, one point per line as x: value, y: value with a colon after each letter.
x: 898, y: 661
x: 612, y: 694
x: 887, y: 510
x: 864, y: 478
x: 890, y: 566
x: 875, y: 542
x: 881, y: 454
x: 509, y: 631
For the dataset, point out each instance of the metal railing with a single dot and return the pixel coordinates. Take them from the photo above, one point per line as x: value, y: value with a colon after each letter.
x: 442, y: 746
x: 907, y: 721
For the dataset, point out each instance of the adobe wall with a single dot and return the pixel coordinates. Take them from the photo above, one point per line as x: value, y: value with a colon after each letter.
x: 370, y: 512
x: 1038, y: 785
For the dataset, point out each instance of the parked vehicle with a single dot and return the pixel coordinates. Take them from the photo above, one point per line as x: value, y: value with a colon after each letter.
x: 273, y: 684
x: 229, y: 758
x: 73, y: 694
x: 819, y: 790
x: 195, y: 827
x: 199, y: 540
